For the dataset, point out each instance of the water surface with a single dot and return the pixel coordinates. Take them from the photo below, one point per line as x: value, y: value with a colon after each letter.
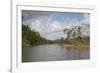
x: 54, y: 52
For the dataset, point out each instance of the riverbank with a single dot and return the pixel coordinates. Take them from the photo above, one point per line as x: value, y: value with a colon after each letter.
x: 77, y: 46
x: 77, y: 43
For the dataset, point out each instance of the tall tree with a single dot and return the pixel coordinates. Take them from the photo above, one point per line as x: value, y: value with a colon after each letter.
x: 67, y: 32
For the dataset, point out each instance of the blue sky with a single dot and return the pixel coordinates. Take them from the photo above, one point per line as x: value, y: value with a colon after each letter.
x: 64, y: 15
x: 50, y: 24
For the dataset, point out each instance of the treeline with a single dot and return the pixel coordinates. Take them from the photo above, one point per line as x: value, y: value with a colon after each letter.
x: 75, y: 35
x: 31, y: 37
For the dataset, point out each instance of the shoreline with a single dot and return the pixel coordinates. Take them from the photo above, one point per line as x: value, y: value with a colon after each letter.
x: 78, y: 46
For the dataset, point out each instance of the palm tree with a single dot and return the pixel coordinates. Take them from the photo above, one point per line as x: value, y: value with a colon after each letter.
x: 66, y: 31
x: 79, y: 31
x: 73, y: 35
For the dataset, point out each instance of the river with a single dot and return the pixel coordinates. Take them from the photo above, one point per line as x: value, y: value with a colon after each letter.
x: 53, y: 52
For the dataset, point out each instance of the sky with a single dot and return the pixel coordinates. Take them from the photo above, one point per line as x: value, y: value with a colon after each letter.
x: 50, y: 24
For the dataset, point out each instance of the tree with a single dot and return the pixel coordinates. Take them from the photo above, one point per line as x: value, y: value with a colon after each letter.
x: 73, y: 35
x: 32, y: 37
x: 67, y: 32
x: 79, y: 31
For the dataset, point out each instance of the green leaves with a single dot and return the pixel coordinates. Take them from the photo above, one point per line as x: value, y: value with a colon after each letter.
x: 31, y: 37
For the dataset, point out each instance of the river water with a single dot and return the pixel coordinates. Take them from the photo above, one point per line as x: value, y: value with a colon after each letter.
x: 53, y: 52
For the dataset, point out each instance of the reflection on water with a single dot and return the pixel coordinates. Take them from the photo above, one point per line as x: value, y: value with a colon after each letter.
x: 53, y: 53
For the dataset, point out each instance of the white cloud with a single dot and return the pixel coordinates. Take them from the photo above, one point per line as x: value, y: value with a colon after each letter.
x: 86, y: 20
x: 52, y: 29
x: 47, y: 28
x: 56, y: 26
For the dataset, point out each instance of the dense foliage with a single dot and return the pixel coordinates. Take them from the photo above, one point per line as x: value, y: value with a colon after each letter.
x: 31, y: 37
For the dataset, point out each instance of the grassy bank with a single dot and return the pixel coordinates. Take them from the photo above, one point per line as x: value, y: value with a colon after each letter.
x: 78, y: 46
